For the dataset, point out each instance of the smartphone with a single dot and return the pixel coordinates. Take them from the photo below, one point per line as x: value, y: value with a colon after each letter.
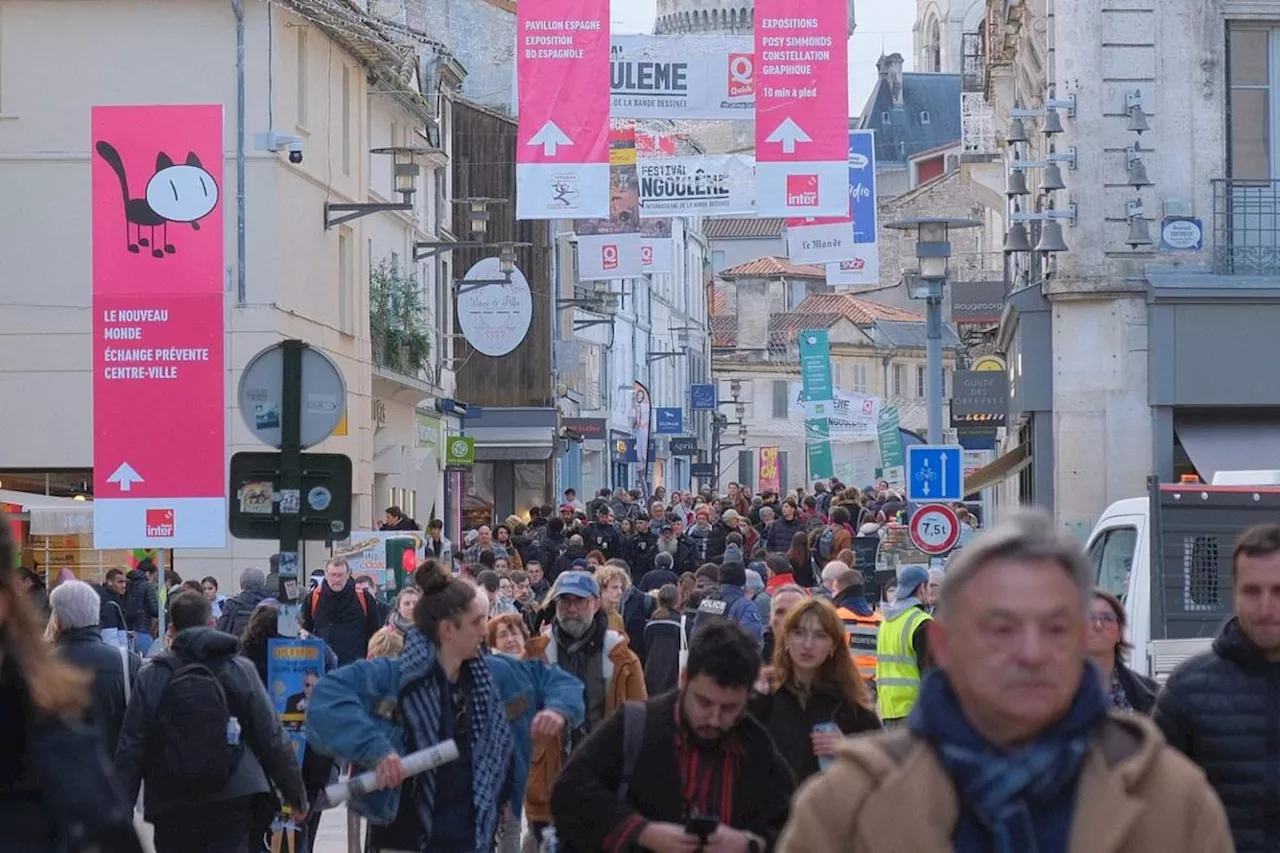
x: 701, y: 826
x: 824, y: 761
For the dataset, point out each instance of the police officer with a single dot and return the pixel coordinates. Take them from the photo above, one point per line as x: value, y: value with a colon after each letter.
x: 730, y: 601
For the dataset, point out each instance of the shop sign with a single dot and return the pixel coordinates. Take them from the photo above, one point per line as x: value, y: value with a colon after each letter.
x: 591, y: 429
x: 460, y: 451
x: 980, y: 396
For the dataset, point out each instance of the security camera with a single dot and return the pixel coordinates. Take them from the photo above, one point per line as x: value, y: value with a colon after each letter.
x: 272, y: 141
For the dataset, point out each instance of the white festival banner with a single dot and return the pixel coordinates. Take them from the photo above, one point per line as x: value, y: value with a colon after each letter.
x: 683, y: 77
x: 698, y: 185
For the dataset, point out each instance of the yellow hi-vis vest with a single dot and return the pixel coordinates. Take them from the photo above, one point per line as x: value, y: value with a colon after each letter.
x: 861, y: 636
x: 897, y: 671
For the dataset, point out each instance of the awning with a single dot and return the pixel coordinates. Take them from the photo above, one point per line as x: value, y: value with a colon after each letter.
x: 1227, y: 444
x: 51, y: 515
x: 503, y: 444
x: 996, y: 472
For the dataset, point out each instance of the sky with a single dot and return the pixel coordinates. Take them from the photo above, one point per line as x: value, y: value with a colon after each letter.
x: 883, y: 26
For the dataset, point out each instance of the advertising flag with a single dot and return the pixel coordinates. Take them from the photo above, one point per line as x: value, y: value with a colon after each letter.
x: 657, y: 253
x: 815, y: 376
x: 613, y: 248
x: 562, y: 140
x: 157, y: 229
x: 683, y: 77
x: 802, y: 108
x: 863, y: 267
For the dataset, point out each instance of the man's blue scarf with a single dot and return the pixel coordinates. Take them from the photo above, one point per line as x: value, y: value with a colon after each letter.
x: 491, y: 745
x: 1018, y: 796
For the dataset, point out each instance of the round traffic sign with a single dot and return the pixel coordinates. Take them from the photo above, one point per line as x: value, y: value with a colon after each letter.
x: 935, y: 529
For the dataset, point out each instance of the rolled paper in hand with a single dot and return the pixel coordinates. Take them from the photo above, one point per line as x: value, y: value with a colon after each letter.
x: 414, y: 763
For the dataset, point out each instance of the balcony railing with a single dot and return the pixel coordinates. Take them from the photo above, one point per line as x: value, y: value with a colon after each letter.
x: 1246, y: 227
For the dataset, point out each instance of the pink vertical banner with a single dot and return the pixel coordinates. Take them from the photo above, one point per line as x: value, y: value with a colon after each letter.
x: 769, y: 475
x: 159, y: 408
x: 563, y: 79
x: 802, y: 108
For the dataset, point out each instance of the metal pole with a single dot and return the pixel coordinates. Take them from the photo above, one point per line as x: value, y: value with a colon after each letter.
x: 290, y: 486
x: 241, y: 250
x: 933, y: 370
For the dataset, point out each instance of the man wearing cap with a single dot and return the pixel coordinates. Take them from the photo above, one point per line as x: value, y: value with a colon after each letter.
x: 718, y: 538
x: 679, y: 547
x: 640, y: 548
x: 848, y: 588
x: 603, y: 536
x: 580, y: 643
x: 902, y: 651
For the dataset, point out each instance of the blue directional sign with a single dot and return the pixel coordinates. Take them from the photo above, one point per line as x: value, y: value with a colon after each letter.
x: 703, y: 398
x: 935, y: 472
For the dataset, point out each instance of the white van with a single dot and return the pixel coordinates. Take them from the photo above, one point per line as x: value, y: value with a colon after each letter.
x: 1167, y: 557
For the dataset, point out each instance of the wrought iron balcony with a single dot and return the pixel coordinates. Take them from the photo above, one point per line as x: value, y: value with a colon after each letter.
x: 1246, y: 227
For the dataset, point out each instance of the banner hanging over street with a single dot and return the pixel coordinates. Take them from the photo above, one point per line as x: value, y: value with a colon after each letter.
x: 864, y: 266
x: 683, y: 77
x: 697, y: 185
x: 157, y: 232
x: 613, y: 247
x: 802, y: 108
x: 562, y: 141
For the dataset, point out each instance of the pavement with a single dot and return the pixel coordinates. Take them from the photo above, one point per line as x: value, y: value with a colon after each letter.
x: 332, y: 837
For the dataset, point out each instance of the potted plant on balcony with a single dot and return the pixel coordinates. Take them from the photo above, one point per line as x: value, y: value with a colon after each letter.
x: 398, y: 320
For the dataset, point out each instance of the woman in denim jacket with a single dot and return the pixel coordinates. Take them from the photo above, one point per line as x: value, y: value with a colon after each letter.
x: 442, y: 686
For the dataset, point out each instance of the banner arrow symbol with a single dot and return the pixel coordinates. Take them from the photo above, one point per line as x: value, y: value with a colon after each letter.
x: 550, y: 137
x: 788, y: 134
x: 125, y: 477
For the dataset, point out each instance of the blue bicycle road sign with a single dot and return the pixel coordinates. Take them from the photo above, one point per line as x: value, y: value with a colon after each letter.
x: 935, y: 472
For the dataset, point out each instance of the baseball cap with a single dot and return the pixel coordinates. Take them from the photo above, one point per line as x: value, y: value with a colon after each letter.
x: 666, y: 525
x: 581, y: 584
x: 568, y: 508
x: 911, y: 577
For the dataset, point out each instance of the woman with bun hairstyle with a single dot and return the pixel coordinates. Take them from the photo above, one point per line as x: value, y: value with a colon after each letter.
x: 444, y: 687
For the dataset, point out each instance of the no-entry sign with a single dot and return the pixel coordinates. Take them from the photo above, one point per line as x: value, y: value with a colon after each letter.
x: 159, y: 451
x: 562, y: 141
x: 802, y: 108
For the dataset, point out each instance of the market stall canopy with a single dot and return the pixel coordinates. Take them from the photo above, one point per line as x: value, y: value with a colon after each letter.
x: 996, y: 472
x: 50, y: 515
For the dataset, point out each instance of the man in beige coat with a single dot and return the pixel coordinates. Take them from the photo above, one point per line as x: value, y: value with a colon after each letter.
x: 1010, y: 748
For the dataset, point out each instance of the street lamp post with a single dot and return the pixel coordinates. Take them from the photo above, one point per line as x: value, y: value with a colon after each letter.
x: 933, y: 249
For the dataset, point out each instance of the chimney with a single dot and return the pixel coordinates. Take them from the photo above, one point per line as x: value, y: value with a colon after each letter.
x: 753, y: 314
x: 890, y: 68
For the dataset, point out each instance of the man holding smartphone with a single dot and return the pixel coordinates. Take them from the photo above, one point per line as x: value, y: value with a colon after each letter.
x: 704, y: 775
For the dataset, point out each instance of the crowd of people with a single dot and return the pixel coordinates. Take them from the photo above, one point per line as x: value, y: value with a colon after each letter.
x: 735, y: 681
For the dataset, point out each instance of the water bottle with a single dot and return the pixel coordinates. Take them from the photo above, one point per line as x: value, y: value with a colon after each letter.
x: 233, y: 730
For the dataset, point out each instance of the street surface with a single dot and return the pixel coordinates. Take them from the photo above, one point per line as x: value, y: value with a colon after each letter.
x: 333, y: 833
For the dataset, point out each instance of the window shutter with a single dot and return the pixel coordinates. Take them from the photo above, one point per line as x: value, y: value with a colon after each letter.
x: 780, y: 399
x: 746, y: 469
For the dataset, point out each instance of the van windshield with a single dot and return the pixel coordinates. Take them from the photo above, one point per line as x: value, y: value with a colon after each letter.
x: 1112, y: 557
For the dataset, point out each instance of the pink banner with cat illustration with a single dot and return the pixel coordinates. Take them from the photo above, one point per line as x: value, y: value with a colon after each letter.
x: 159, y: 451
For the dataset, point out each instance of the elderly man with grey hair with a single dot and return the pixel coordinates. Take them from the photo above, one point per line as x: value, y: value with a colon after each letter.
x: 1011, y: 747
x: 74, y: 624
x: 237, y: 610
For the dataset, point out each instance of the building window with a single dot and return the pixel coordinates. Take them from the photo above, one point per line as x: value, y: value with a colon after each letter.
x: 717, y: 260
x: 346, y: 120
x: 859, y: 383
x: 884, y: 118
x: 780, y: 395
x: 946, y: 382
x: 302, y: 77
x: 346, y: 281
x: 899, y: 380
x: 933, y: 47
x: 1250, y: 110
x: 920, y: 380
x: 924, y: 116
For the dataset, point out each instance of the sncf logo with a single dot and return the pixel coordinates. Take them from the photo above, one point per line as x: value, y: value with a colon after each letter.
x: 802, y: 190
x: 609, y: 256
x: 159, y: 524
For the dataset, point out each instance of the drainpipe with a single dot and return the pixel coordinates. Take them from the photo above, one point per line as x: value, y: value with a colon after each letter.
x: 237, y: 6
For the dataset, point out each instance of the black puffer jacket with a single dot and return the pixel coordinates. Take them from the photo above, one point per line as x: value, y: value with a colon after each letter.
x: 236, y: 611
x: 1222, y: 710
x: 84, y: 648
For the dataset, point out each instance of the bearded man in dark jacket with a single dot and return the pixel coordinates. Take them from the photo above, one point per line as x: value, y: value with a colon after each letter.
x: 341, y: 615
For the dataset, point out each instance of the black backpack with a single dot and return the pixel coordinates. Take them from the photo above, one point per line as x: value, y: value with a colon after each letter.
x: 189, y: 740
